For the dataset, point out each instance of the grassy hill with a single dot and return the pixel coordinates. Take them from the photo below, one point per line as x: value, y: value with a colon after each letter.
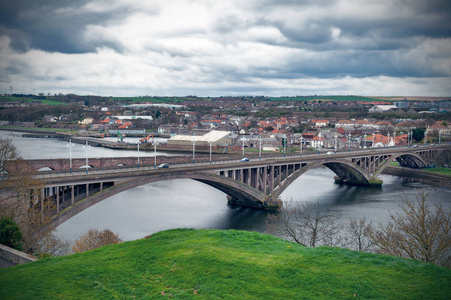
x: 215, y: 264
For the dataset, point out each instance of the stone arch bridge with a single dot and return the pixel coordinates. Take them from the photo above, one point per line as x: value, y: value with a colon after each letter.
x: 257, y: 183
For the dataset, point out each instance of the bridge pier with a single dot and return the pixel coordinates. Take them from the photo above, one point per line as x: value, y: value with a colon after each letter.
x: 269, y: 203
x: 371, y: 183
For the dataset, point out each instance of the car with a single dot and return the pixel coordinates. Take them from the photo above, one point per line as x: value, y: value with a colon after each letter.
x: 432, y: 144
x: 163, y: 166
x: 245, y: 159
x: 330, y: 153
x: 415, y: 146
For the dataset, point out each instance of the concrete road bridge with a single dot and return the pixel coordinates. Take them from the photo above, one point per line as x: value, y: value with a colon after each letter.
x: 258, y: 182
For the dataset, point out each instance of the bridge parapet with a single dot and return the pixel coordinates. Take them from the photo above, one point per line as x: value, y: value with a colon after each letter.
x: 257, y: 183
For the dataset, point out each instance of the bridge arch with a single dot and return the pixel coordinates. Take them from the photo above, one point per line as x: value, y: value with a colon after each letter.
x: 233, y: 188
x: 346, y: 172
x: 408, y: 159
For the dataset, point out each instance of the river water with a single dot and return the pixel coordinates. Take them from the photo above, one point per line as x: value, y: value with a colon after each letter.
x: 158, y: 206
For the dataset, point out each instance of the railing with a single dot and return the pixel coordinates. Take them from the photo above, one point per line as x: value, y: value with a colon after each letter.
x: 288, y: 157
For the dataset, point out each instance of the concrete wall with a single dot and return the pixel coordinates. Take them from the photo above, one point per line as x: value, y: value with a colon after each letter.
x: 15, y: 256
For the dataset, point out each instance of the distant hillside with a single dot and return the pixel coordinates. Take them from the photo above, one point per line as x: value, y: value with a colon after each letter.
x: 216, y: 264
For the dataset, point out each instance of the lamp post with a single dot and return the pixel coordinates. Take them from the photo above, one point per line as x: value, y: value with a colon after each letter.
x: 394, y: 139
x: 388, y: 141
x: 155, y: 153
x: 243, y: 139
x: 411, y: 138
x: 301, y: 144
x: 138, y: 153
x: 70, y: 155
x: 426, y: 137
x: 210, y: 142
x: 194, y: 149
x: 87, y: 164
x: 373, y: 141
x: 284, y: 142
x: 439, y: 136
x: 349, y: 138
x: 335, y: 145
x: 260, y: 150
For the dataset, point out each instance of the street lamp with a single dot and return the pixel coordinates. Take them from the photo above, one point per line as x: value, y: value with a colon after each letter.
x: 301, y: 144
x: 349, y: 138
x: 260, y: 150
x: 284, y: 142
x: 138, y: 153
x: 155, y: 153
x: 335, y: 145
x: 394, y: 139
x: 388, y: 142
x: 439, y: 136
x: 70, y: 155
x: 426, y: 136
x: 87, y: 164
x: 210, y: 142
x: 243, y: 139
x: 411, y: 138
x: 194, y: 147
x: 373, y: 141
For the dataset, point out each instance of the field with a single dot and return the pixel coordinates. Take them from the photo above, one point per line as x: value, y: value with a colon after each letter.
x: 152, y: 99
x: 327, y: 98
x: 218, y: 264
x: 25, y: 99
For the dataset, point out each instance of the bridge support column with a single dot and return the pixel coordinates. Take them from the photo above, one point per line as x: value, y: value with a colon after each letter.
x: 373, y: 182
x: 72, y: 195
x: 269, y: 203
x: 57, y: 199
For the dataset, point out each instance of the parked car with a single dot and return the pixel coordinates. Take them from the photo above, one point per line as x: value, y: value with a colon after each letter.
x: 415, y: 146
x: 163, y: 166
x: 245, y: 159
x: 330, y: 153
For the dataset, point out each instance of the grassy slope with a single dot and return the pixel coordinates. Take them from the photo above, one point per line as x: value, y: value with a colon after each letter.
x: 213, y: 264
x: 333, y: 98
x: 43, y: 101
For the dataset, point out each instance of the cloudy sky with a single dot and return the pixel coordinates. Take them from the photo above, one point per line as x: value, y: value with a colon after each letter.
x: 230, y: 47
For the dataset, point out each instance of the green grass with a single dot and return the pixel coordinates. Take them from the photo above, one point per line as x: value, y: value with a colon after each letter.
x: 41, y: 129
x: 151, y: 99
x: 444, y: 171
x: 217, y: 264
x: 327, y: 98
x: 25, y: 99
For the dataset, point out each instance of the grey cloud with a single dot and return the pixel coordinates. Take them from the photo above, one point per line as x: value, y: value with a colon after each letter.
x: 55, y: 26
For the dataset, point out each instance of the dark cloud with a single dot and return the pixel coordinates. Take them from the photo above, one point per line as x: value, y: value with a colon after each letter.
x: 55, y: 26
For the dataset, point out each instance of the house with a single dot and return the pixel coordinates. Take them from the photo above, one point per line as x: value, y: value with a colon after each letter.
x: 86, y: 121
x: 381, y: 108
x: 320, y: 123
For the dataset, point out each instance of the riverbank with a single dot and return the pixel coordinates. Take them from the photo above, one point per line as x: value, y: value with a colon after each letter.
x: 419, y: 175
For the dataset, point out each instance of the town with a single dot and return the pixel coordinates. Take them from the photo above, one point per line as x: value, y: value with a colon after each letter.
x: 284, y: 124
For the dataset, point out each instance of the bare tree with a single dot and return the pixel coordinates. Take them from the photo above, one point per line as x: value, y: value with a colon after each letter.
x: 306, y: 224
x: 94, y: 239
x: 21, y: 199
x: 420, y: 233
x: 359, y: 235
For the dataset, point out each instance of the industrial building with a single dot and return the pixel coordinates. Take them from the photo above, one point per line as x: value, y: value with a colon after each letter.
x: 215, y: 137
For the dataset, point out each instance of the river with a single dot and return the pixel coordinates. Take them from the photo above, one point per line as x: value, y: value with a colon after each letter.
x: 158, y: 206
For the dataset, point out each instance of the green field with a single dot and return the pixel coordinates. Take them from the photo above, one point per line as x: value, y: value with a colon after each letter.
x: 25, y: 99
x: 173, y: 100
x: 327, y: 98
x: 444, y: 171
x: 217, y: 264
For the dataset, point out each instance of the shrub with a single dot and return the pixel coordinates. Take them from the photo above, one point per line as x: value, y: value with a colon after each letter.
x: 10, y: 234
